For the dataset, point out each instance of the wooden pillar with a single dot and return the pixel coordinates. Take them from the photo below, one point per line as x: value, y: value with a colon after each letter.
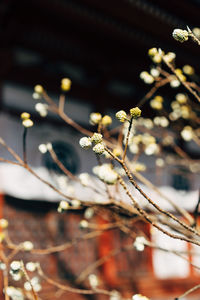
x: 1, y: 215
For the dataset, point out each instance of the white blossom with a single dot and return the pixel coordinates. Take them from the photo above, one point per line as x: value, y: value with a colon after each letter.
x: 99, y: 148
x: 14, y: 293
x: 85, y: 142
x: 28, y: 246
x: 106, y: 173
x: 93, y: 280
x: 42, y: 148
x: 42, y: 109
x: 83, y: 224
x: 15, y: 265
x: 31, y: 266
x: 139, y: 243
x: 63, y: 205
x: 89, y: 212
x: 187, y: 133
x: 115, y: 295
x: 84, y: 178
x: 139, y: 297
x: 151, y: 149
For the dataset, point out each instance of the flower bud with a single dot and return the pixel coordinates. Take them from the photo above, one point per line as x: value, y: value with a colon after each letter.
x: 106, y: 120
x: 121, y: 116
x: 42, y: 148
x: 117, y: 152
x: 66, y: 84
x: 180, y: 35
x: 63, y: 205
x: 15, y: 266
x: 188, y: 70
x: 42, y: 109
x: 3, y: 223
x: 83, y: 224
x: 31, y: 266
x: 139, y: 297
x: 99, y: 148
x: 38, y: 89
x: 96, y: 138
x: 84, y: 179
x: 28, y: 246
x: 25, y: 116
x: 152, y: 51
x: 95, y: 118
x: 85, y: 143
x: 135, y: 112
x: 187, y: 133
x: 27, y: 123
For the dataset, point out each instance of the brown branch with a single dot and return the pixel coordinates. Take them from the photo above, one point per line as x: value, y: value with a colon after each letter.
x: 68, y: 120
x: 100, y: 262
x: 157, y: 85
x: 184, y: 83
x: 132, y: 181
x: 150, y: 185
x: 148, y: 219
x: 184, y: 225
x: 71, y: 289
x: 196, y: 287
x: 127, y: 138
x: 61, y: 103
x: 59, y: 248
x: 35, y: 296
x: 65, y: 117
x: 61, y: 166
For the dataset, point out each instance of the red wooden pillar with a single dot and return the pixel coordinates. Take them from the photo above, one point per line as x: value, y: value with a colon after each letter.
x: 1, y: 215
x: 109, y: 268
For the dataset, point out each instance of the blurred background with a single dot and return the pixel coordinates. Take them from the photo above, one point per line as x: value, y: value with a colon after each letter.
x: 102, y: 47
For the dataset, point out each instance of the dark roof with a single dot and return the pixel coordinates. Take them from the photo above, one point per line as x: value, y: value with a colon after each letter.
x: 101, y: 45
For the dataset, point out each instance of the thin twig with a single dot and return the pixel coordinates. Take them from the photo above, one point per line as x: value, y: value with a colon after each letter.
x: 196, y: 211
x: 143, y: 214
x: 185, y: 84
x: 127, y: 138
x: 24, y: 145
x: 71, y: 289
x: 132, y: 181
x: 61, y: 103
x: 35, y: 296
x: 196, y: 287
x: 100, y: 262
x: 157, y: 85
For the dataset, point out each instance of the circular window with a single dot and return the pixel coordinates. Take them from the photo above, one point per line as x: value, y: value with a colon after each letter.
x: 67, y: 156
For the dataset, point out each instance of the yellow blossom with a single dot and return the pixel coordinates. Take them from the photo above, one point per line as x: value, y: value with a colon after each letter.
x: 181, y: 98
x: 156, y: 104
x: 66, y: 84
x: 159, y: 98
x: 95, y: 118
x: 38, y: 89
x: 3, y: 223
x: 106, y: 120
x: 25, y: 116
x: 116, y: 152
x: 188, y: 70
x: 152, y: 51
x: 135, y: 112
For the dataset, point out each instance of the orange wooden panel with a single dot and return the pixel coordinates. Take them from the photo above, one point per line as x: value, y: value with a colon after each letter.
x: 1, y: 277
